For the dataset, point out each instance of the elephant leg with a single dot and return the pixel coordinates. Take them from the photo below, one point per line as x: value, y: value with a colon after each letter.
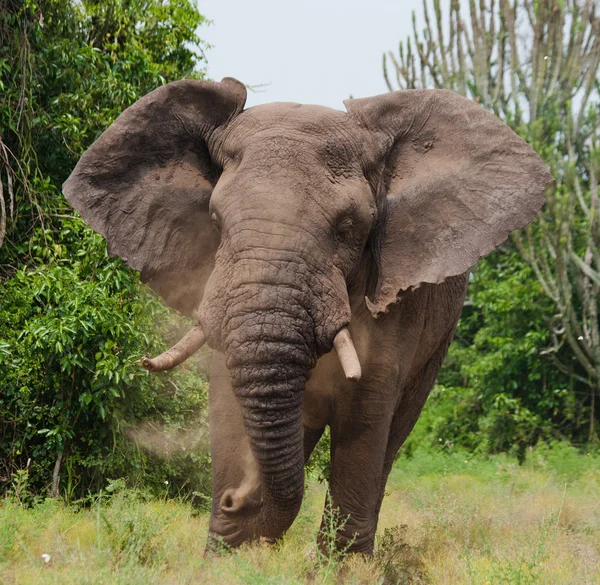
x: 232, y: 462
x: 358, y: 445
x: 410, y: 407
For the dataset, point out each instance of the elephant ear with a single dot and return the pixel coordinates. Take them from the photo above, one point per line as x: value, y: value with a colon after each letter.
x: 145, y: 185
x: 457, y: 181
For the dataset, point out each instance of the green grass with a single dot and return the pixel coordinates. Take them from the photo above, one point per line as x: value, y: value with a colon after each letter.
x: 446, y: 519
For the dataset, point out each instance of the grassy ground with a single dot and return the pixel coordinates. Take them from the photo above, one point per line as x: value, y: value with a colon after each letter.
x: 445, y: 520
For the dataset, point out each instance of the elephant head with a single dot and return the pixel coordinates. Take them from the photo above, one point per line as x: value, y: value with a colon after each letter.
x: 266, y: 223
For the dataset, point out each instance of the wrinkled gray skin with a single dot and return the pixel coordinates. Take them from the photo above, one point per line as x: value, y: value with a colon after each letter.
x: 279, y: 225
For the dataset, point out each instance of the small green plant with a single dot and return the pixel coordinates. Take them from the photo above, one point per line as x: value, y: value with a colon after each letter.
x: 331, y: 552
x: 19, y: 486
x: 127, y: 527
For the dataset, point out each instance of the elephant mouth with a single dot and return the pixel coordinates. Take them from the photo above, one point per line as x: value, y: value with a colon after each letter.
x: 195, y: 338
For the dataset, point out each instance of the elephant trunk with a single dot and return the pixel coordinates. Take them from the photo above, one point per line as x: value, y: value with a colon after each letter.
x: 269, y: 368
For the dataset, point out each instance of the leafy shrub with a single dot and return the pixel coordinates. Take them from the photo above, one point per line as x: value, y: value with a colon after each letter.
x: 72, y: 330
x: 73, y: 322
x: 497, y: 392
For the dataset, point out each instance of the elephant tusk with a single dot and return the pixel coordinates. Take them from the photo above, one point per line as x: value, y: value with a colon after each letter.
x: 347, y: 355
x: 190, y: 343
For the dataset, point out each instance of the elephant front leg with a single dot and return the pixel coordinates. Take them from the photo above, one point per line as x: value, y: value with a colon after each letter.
x: 358, y: 444
x: 235, y: 477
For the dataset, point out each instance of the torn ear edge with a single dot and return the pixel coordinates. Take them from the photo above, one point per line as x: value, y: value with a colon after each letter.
x: 388, y: 293
x: 380, y: 306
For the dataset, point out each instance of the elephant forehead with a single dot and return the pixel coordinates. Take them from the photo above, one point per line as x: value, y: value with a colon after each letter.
x: 321, y: 129
x: 299, y: 115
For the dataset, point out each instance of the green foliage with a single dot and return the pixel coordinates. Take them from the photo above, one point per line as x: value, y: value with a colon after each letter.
x: 74, y: 323
x: 557, y: 460
x: 500, y: 394
x: 496, y: 392
x: 74, y: 328
x: 319, y: 464
x: 68, y: 70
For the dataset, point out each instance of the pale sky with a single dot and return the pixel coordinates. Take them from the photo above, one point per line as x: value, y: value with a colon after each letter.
x: 309, y: 51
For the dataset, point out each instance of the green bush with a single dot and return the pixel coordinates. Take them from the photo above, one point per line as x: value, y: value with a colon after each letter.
x: 72, y: 330
x: 496, y: 391
x: 73, y: 322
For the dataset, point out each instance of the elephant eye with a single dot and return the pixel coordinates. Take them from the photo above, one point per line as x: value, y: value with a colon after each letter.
x: 344, y: 228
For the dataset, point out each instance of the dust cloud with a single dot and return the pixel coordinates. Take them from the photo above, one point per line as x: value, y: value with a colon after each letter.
x: 164, y: 441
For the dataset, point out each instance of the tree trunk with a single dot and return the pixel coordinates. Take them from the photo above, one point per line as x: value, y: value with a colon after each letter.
x: 56, y: 476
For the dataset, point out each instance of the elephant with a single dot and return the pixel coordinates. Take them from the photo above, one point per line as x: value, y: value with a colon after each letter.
x: 287, y: 231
